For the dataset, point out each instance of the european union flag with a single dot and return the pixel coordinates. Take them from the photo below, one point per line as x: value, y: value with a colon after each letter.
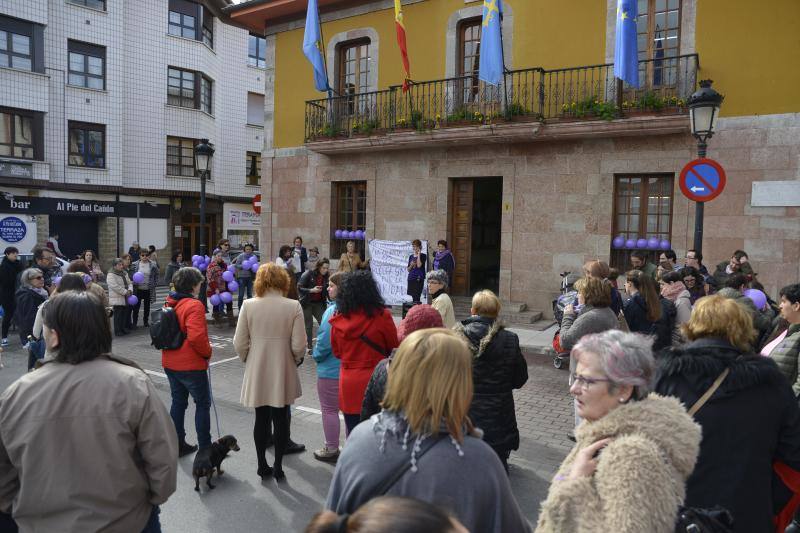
x: 626, y: 54
x: 491, y: 66
x: 312, y: 46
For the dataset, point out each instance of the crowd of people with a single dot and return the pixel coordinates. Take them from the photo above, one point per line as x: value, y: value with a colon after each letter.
x: 684, y: 386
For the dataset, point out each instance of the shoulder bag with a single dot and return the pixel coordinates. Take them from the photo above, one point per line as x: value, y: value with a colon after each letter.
x: 695, y: 519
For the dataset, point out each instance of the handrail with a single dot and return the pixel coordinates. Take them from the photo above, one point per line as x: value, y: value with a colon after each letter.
x: 532, y: 93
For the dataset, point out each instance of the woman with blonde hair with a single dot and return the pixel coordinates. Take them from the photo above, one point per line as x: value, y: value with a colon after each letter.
x: 270, y: 339
x: 498, y: 368
x: 634, y: 450
x: 422, y: 445
x: 750, y: 419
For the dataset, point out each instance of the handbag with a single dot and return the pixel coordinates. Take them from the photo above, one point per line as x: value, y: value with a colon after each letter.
x: 695, y: 519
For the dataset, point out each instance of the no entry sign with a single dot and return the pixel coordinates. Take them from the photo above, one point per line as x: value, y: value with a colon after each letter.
x: 257, y: 203
x: 702, y: 180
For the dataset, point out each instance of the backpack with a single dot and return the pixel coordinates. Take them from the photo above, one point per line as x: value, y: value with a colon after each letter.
x: 165, y: 331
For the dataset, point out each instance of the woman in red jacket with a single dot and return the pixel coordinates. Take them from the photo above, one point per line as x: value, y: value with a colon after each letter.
x: 362, y: 333
x: 186, y: 367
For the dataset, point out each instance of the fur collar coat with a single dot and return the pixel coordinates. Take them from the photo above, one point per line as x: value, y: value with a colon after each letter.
x: 640, y: 476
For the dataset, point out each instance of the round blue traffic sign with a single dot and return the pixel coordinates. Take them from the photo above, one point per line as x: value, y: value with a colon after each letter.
x: 702, y: 180
x: 12, y: 229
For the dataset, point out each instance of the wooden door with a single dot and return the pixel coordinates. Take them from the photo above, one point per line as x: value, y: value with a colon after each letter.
x: 461, y: 231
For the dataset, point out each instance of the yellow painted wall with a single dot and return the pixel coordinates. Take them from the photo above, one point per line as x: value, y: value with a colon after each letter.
x: 547, y: 33
x: 752, y: 52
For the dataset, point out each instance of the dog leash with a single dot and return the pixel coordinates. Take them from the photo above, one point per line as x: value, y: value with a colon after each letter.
x: 213, y: 403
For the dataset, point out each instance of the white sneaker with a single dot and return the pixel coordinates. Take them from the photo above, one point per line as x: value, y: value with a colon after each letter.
x: 4, y: 343
x: 25, y: 346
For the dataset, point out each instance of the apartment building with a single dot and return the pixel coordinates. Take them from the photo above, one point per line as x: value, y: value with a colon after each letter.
x: 101, y: 105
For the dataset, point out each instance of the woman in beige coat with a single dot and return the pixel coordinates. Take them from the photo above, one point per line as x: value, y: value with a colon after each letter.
x: 634, y: 450
x: 271, y: 340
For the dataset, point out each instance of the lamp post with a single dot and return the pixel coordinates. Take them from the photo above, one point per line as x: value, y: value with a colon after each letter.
x: 203, y: 153
x: 703, y: 112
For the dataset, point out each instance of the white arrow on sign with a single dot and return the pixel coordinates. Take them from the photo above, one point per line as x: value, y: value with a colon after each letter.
x: 695, y: 189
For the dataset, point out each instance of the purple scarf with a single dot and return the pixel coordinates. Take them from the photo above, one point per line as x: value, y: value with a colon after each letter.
x: 439, y: 256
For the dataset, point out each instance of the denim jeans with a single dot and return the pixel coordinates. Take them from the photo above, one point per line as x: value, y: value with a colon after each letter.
x: 153, y: 525
x: 245, y: 284
x: 182, y: 383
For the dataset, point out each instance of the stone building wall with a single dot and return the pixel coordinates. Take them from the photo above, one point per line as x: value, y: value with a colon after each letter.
x: 560, y: 196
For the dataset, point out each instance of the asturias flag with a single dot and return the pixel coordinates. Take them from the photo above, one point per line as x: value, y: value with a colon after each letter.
x: 312, y: 46
x: 626, y: 54
x: 401, y: 41
x: 491, y: 66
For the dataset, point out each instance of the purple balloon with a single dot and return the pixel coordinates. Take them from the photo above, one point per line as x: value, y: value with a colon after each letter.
x: 664, y: 245
x: 133, y: 300
x: 630, y: 243
x: 758, y: 297
x: 254, y: 267
x: 352, y: 234
x: 226, y: 297
x: 232, y: 269
x: 246, y: 264
x: 196, y: 258
x: 206, y: 259
x: 652, y: 243
x: 227, y: 276
x: 57, y: 281
x: 359, y: 234
x: 214, y: 299
x: 338, y: 234
x: 138, y: 277
x: 233, y: 286
x: 641, y: 244
x: 87, y: 278
x: 618, y: 242
x: 203, y: 266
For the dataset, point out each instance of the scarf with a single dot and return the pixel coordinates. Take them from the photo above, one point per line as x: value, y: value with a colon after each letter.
x: 671, y: 291
x: 439, y: 256
x: 41, y: 292
x: 436, y: 294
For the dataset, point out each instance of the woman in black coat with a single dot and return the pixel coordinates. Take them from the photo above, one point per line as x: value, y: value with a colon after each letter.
x: 498, y: 368
x: 9, y: 270
x: 29, y: 297
x: 751, y: 421
x: 647, y: 312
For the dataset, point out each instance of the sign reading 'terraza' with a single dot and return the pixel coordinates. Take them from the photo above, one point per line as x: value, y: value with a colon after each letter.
x: 388, y: 262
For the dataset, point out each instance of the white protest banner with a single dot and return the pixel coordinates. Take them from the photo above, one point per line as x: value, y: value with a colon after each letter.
x: 388, y: 262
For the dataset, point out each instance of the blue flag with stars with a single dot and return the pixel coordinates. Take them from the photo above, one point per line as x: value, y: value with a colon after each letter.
x: 491, y: 67
x: 312, y: 46
x: 626, y: 54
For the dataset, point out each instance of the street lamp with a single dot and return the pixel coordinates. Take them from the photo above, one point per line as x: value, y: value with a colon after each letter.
x: 203, y: 153
x: 703, y: 112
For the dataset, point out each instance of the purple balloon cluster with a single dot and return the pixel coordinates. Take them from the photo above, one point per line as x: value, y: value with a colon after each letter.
x: 251, y: 264
x: 358, y: 234
x: 223, y: 297
x: 653, y: 243
x: 200, y: 262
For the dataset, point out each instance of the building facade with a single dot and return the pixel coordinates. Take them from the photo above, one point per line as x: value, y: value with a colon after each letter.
x: 531, y: 178
x: 101, y: 105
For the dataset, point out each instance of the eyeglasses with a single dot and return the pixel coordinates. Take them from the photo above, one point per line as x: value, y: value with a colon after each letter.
x: 37, y: 277
x: 583, y: 382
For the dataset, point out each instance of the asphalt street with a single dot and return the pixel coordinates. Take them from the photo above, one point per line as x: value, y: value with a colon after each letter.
x: 242, y: 502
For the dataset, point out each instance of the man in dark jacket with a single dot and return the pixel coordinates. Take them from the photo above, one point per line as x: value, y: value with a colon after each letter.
x: 749, y: 422
x: 498, y: 368
x: 9, y: 273
x: 45, y: 260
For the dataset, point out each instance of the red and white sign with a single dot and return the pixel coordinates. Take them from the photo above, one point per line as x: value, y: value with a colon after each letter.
x: 702, y: 180
x: 257, y: 203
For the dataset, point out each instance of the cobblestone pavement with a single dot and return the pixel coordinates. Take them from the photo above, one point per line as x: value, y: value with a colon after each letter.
x: 544, y: 415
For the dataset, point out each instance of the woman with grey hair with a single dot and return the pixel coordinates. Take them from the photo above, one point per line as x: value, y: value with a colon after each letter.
x: 437, y: 285
x: 634, y: 450
x: 30, y: 295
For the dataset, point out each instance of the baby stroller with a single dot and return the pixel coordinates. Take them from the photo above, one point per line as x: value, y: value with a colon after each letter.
x: 568, y: 296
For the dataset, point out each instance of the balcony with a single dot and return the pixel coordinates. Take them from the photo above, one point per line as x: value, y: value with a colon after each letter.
x: 531, y: 104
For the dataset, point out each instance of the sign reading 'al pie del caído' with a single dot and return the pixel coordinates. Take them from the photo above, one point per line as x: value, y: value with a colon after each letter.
x: 80, y: 207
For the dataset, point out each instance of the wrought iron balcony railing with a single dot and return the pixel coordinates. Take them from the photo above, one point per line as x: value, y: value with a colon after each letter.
x: 533, y: 94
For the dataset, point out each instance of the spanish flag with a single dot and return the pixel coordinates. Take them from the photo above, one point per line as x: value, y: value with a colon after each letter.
x: 401, y: 41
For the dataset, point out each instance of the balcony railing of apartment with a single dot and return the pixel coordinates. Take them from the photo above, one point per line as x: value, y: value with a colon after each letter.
x: 533, y: 94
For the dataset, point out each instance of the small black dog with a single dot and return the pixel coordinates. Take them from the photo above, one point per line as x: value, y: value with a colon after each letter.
x: 208, y: 459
